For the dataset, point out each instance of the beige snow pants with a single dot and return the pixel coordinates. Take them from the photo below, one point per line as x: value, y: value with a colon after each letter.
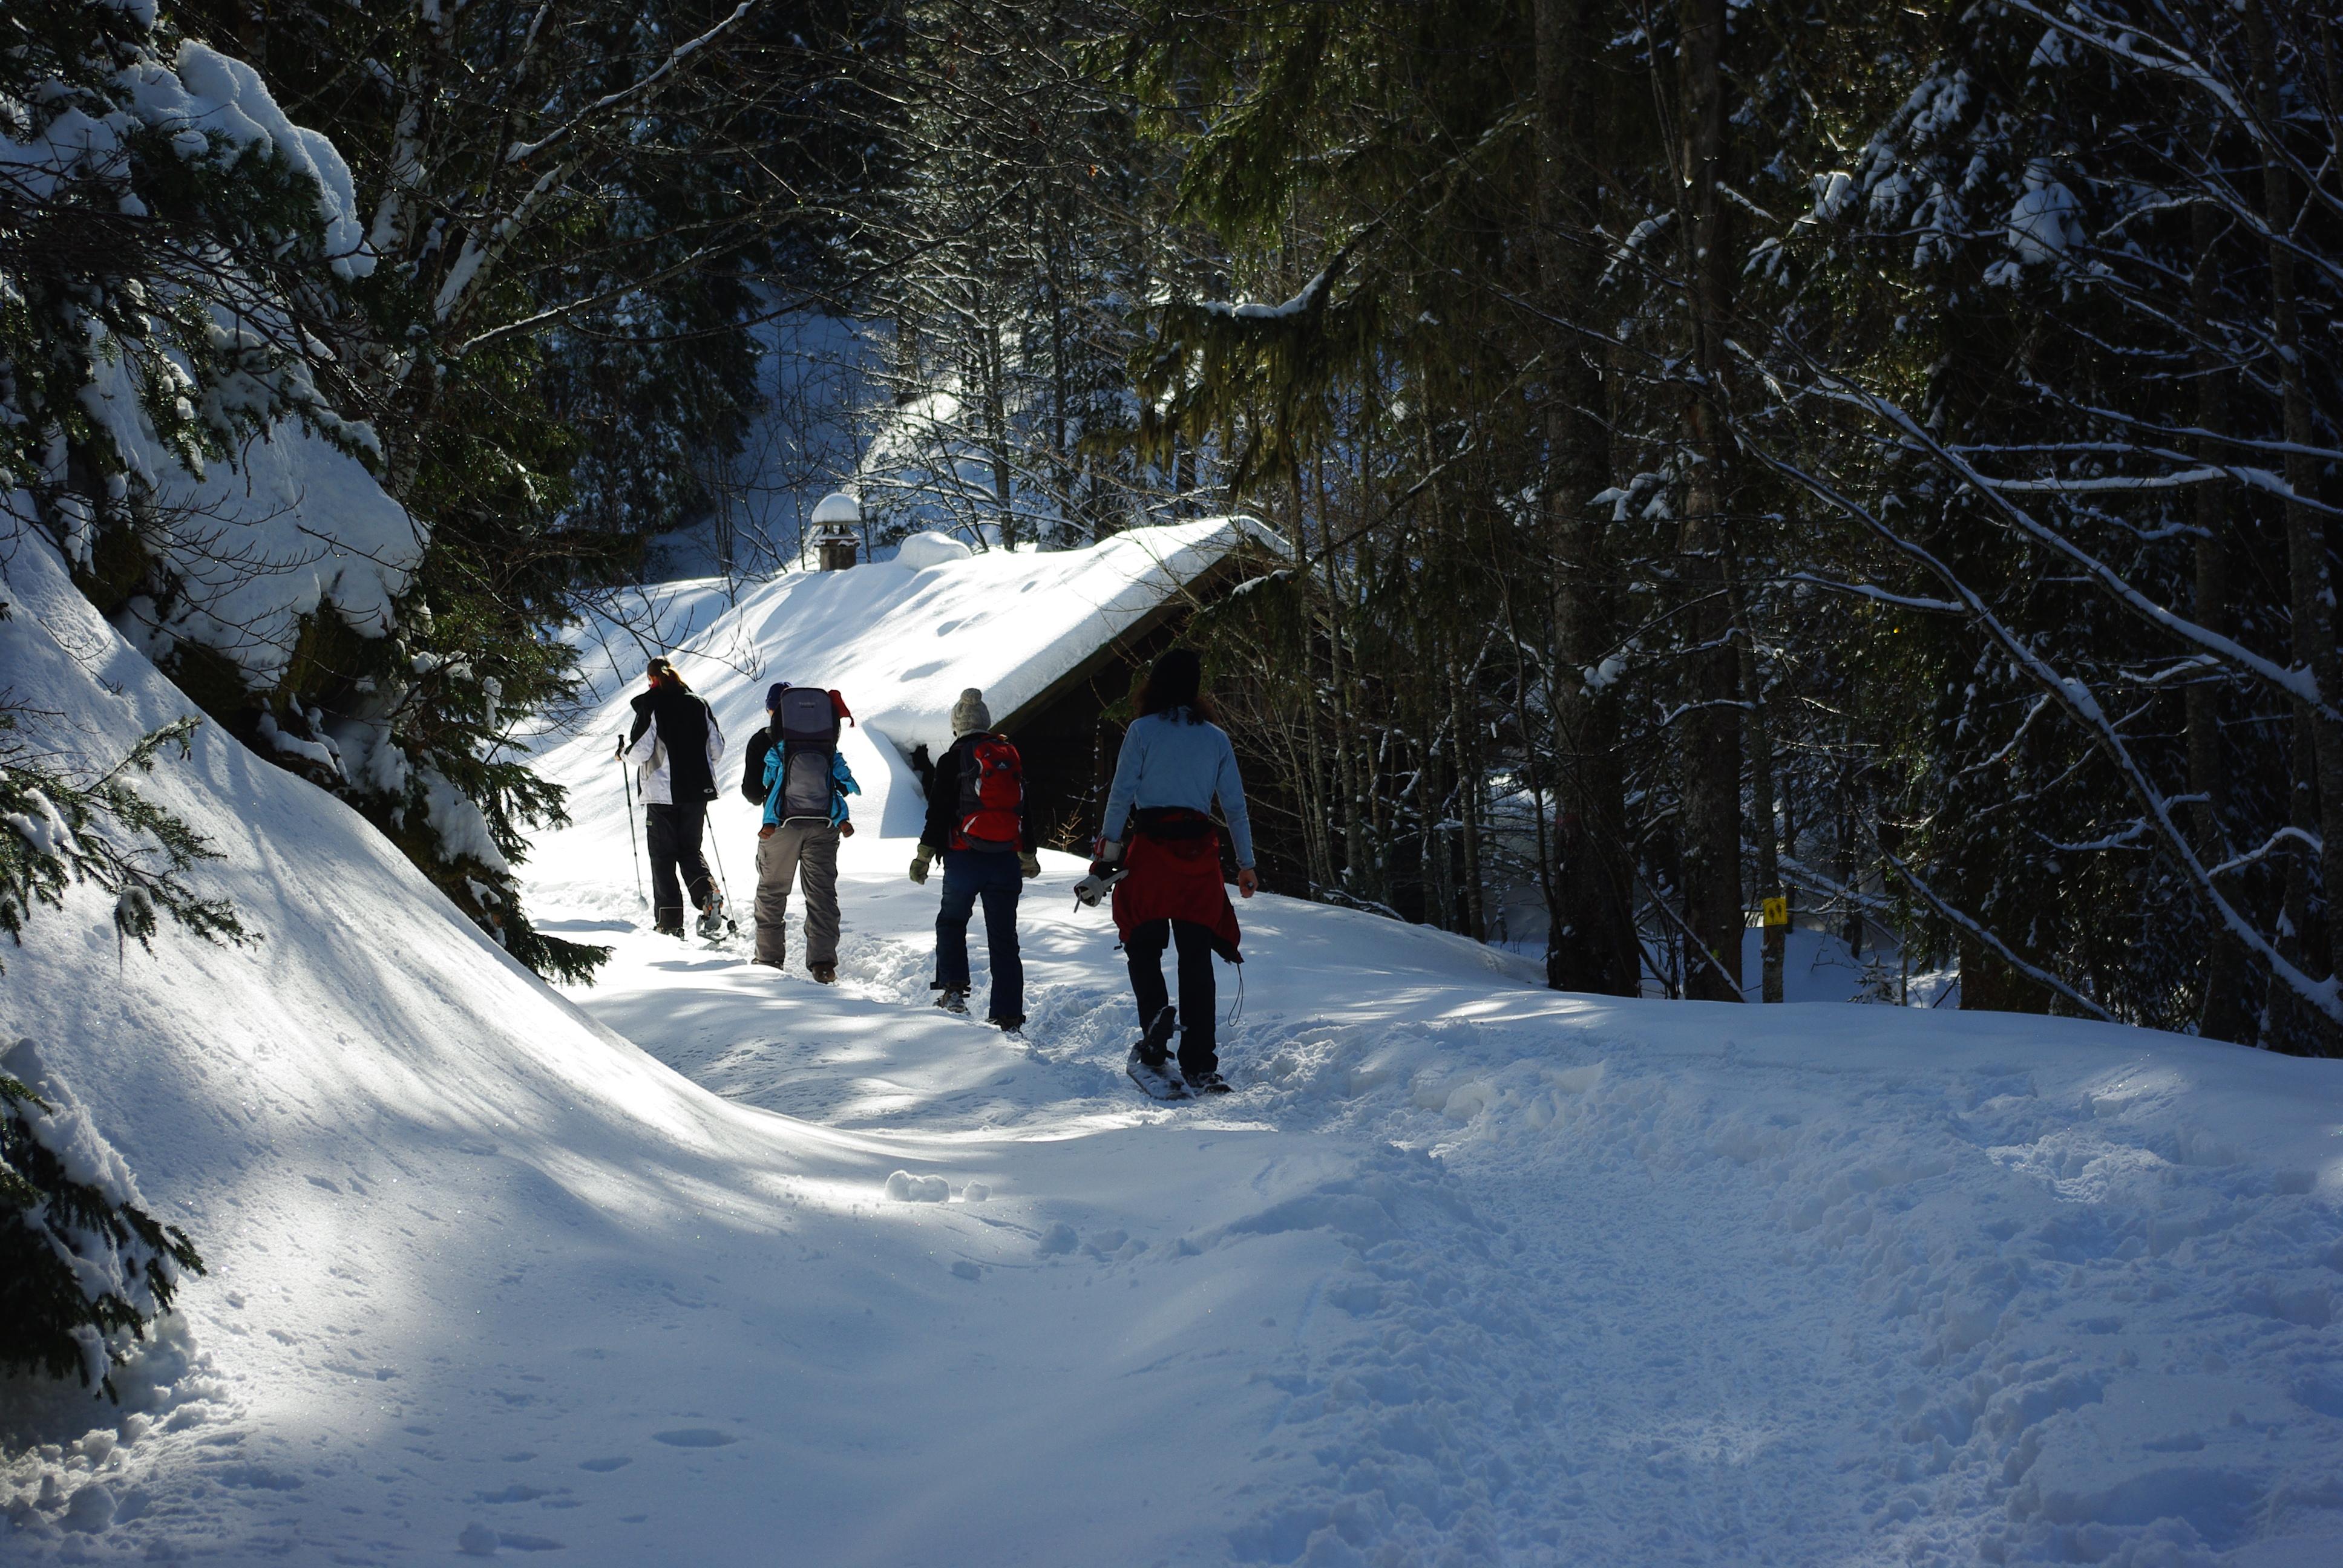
x: 795, y: 847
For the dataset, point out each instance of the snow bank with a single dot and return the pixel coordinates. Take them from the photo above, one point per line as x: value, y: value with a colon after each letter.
x: 432, y: 1195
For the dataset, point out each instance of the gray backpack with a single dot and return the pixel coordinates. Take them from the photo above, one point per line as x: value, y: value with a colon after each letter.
x: 805, y: 732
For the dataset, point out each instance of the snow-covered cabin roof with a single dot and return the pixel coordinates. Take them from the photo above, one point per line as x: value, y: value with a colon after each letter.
x: 901, y: 643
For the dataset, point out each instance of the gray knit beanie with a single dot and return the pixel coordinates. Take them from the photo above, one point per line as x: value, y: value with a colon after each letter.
x: 969, y: 715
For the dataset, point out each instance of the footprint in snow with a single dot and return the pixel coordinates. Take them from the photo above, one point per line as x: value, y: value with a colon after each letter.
x: 694, y: 1437
x: 478, y: 1541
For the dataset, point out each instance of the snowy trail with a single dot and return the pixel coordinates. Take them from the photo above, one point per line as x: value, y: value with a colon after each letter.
x: 1427, y: 1360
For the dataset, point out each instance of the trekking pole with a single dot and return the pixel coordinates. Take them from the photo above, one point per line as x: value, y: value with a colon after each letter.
x: 628, y: 780
x: 716, y: 844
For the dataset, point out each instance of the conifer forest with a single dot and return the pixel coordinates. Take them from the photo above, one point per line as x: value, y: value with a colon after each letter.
x: 1887, y: 458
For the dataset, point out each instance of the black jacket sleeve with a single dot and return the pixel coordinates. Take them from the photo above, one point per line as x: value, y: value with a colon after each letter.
x: 752, y: 772
x: 943, y: 798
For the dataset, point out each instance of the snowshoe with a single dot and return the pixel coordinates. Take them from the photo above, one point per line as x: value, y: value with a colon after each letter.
x: 1205, y: 1082
x: 712, y: 923
x: 1154, y: 1047
x: 1011, y: 1028
x: 1152, y: 1081
x: 675, y: 931
x: 952, y: 998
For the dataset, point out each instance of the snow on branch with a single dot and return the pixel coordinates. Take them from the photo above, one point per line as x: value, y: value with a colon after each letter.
x: 2288, y: 835
x: 2301, y: 685
x: 1252, y: 310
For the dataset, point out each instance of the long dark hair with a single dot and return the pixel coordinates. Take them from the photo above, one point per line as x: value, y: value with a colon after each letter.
x: 1177, y: 681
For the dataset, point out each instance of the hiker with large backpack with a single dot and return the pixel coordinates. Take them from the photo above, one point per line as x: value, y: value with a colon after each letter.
x: 795, y: 769
x: 675, y: 747
x: 977, y: 824
x: 1159, y: 854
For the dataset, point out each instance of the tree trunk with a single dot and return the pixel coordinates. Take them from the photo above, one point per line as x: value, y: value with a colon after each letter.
x: 1468, y: 790
x: 2226, y: 1010
x: 996, y: 421
x: 1591, y: 942
x: 1710, y: 728
x: 2318, y: 794
x: 1761, y: 791
x: 1313, y: 794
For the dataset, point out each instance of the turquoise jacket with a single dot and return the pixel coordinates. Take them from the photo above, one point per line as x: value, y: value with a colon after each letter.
x: 842, y: 785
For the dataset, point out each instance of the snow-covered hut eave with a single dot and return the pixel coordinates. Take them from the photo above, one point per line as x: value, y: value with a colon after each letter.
x: 1203, y: 562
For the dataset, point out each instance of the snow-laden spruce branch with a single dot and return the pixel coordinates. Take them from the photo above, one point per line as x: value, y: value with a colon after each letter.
x: 2125, y: 40
x: 2074, y: 698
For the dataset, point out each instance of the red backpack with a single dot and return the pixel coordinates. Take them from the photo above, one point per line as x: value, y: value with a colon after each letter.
x: 991, y: 795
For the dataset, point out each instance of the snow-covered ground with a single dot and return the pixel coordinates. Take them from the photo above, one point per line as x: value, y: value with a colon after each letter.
x: 1466, y: 1272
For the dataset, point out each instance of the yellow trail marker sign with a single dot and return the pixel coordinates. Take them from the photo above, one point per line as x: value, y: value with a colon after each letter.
x: 1776, y: 911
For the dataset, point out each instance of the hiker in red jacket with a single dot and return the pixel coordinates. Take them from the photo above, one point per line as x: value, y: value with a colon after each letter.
x: 977, y: 823
x: 1175, y: 763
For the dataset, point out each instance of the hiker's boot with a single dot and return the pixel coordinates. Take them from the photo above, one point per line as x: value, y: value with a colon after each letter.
x: 1154, y: 1047
x: 823, y: 974
x: 953, y: 998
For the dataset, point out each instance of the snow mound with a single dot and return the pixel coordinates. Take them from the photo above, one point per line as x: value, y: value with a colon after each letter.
x: 905, y: 1188
x: 922, y: 551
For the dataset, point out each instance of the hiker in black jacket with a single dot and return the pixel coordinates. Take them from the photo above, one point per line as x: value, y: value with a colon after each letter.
x: 977, y: 822
x: 675, y: 747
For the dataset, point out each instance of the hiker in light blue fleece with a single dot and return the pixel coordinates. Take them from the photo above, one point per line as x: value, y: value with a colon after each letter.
x: 1175, y: 763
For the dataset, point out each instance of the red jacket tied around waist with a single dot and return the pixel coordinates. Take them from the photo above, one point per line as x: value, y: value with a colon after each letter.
x: 1174, y: 861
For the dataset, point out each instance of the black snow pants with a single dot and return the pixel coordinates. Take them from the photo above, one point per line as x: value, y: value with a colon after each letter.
x: 1198, y: 1007
x: 674, y: 834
